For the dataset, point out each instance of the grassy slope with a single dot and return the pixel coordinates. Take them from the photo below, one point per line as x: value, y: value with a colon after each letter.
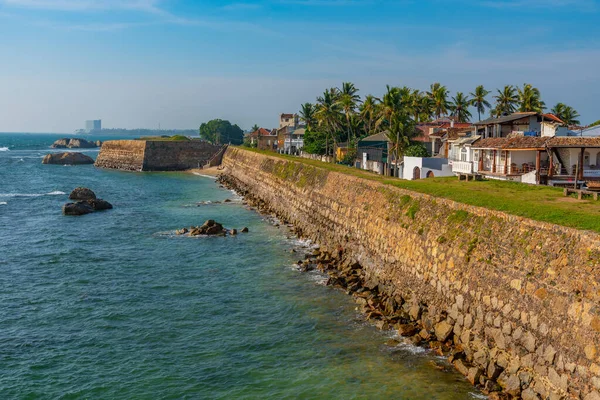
x: 541, y: 203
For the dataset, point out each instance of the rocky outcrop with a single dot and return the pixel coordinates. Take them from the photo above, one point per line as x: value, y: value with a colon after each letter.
x: 511, y: 302
x: 75, y: 143
x: 209, y: 228
x: 82, y: 193
x: 69, y: 158
x: 86, y: 202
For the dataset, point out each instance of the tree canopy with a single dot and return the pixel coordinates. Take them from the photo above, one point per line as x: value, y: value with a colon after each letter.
x: 220, y: 131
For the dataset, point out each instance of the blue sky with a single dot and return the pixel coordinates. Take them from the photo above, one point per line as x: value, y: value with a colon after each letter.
x: 138, y: 63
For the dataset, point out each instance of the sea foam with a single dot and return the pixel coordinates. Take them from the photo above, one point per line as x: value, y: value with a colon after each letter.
x: 4, y: 149
x: 54, y: 193
x: 3, y: 203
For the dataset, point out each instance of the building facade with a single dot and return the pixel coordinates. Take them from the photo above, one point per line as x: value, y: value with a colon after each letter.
x: 93, y: 125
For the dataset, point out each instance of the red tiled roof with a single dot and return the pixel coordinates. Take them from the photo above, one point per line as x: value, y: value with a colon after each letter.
x: 553, y: 118
x: 514, y: 143
x: 261, y: 132
x: 574, y: 141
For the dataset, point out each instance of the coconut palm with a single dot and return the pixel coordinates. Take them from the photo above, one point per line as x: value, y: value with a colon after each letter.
x: 506, y: 101
x: 400, y: 131
x: 530, y: 99
x: 459, y: 107
x: 479, y: 101
x: 570, y: 116
x: 254, y: 128
x: 348, y: 100
x: 390, y: 105
x: 368, y: 114
x: 439, y: 95
x: 328, y: 115
x: 307, y: 115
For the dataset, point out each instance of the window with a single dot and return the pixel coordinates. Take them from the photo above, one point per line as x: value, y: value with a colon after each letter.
x: 502, y: 156
x: 476, y: 155
x: 463, y: 154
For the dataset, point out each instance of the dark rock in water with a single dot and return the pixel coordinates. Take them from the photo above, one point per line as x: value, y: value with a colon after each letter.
x: 226, y: 201
x: 79, y: 208
x: 210, y: 227
x: 233, y: 231
x: 82, y: 193
x: 244, y: 230
x: 69, y: 158
x: 75, y: 143
x: 99, y: 204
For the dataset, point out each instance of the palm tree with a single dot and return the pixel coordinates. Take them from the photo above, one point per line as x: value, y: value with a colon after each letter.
x: 479, y: 101
x: 328, y: 115
x: 368, y: 114
x: 558, y: 110
x: 254, y: 128
x: 570, y: 116
x: 460, y: 107
x: 389, y: 107
x: 307, y: 115
x: 401, y: 130
x: 530, y: 99
x: 439, y: 95
x: 348, y: 99
x: 506, y: 101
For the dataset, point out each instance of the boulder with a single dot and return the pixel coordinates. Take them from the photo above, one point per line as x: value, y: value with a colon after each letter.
x: 69, y: 158
x: 99, y: 204
x: 75, y: 143
x: 443, y: 331
x: 82, y: 193
x: 244, y: 230
x: 79, y: 208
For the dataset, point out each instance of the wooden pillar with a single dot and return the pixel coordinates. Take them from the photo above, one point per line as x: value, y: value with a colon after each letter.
x: 580, y: 163
x: 506, y: 162
x: 538, y: 158
x: 494, y: 161
x: 551, y: 166
x: 481, y: 152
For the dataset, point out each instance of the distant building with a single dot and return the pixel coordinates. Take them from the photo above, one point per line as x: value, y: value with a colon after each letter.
x: 288, y: 120
x: 93, y: 125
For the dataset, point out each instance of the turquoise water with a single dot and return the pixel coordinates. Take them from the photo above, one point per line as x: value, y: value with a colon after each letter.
x: 112, y: 305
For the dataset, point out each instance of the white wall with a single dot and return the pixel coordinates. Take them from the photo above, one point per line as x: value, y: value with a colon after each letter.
x: 411, y: 162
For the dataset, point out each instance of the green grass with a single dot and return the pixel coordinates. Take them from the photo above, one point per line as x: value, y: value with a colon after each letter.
x: 540, y: 203
x: 175, y: 138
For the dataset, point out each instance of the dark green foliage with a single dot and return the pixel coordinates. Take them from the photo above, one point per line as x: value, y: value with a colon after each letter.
x: 314, y: 142
x: 220, y: 131
x: 416, y: 150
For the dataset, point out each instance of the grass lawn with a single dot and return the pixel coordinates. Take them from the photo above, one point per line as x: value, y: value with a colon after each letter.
x: 175, y: 138
x: 541, y: 203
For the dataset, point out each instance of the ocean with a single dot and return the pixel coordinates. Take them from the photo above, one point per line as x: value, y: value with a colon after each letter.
x: 114, y: 305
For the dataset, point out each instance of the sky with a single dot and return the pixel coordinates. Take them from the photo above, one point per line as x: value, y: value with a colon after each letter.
x: 178, y: 63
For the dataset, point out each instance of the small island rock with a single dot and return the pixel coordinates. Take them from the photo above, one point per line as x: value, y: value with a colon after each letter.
x: 67, y: 159
x: 79, y: 208
x: 82, y: 193
x: 99, y: 204
x: 75, y: 143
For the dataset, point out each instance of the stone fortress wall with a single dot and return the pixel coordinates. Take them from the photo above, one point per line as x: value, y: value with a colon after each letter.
x: 148, y: 155
x: 519, y: 298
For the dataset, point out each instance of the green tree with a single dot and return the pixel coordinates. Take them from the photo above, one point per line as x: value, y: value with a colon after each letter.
x: 307, y: 115
x: 568, y: 114
x: 315, y: 142
x: 400, y: 132
x: 506, y: 101
x: 439, y: 96
x: 595, y: 123
x: 368, y: 114
x: 460, y: 107
x: 254, y: 128
x: 479, y: 101
x: 348, y: 100
x: 530, y: 99
x: 416, y: 149
x: 328, y: 115
x: 220, y: 131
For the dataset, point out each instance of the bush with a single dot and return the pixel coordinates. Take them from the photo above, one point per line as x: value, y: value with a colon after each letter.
x: 416, y: 150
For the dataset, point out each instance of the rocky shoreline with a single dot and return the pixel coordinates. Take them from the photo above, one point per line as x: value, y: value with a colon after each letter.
x: 409, y: 317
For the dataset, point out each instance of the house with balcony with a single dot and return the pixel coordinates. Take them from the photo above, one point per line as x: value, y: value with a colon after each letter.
x: 521, y: 124
x: 573, y: 160
x: 290, y: 139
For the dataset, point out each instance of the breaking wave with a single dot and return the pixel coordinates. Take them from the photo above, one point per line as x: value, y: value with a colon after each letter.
x: 54, y: 193
x: 3, y: 203
x: 4, y: 149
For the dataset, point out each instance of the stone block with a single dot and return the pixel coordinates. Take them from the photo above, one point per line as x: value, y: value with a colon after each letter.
x: 443, y: 330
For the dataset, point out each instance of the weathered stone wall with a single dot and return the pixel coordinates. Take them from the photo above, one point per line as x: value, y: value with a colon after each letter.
x: 145, y: 155
x: 521, y: 297
x: 174, y: 156
x: 122, y: 154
